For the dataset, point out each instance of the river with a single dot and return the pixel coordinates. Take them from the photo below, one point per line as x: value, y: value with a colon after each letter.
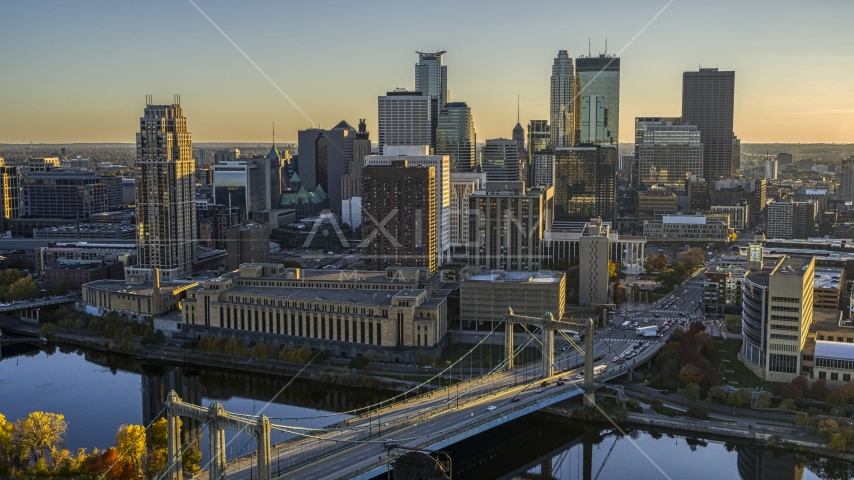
x: 97, y: 393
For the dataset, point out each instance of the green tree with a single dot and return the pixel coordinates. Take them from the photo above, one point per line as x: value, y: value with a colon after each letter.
x: 717, y: 393
x: 612, y: 269
x: 23, y: 289
x: 47, y: 330
x: 692, y: 391
x: 262, y: 350
x: 827, y: 427
x: 738, y: 398
x: 787, y: 405
x: 690, y: 374
x: 763, y: 401
x: 697, y: 412
x: 60, y: 288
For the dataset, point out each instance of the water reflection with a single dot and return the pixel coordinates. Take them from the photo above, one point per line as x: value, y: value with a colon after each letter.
x: 541, y: 446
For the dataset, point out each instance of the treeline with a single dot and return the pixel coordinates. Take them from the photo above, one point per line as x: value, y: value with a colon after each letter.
x: 33, y: 447
x: 261, y: 350
x: 112, y: 325
x: 16, y: 285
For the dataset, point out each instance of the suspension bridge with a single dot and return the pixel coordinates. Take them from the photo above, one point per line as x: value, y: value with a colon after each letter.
x: 362, y: 443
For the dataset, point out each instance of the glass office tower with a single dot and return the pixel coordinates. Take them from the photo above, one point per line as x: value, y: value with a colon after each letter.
x: 600, y: 76
x: 564, y: 108
x: 455, y: 136
x: 585, y: 182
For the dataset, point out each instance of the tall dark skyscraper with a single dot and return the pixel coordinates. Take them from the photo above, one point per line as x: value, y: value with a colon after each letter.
x: 600, y: 77
x: 431, y: 79
x: 324, y: 155
x: 707, y: 102
x: 455, y: 136
x: 166, y: 229
x: 585, y: 182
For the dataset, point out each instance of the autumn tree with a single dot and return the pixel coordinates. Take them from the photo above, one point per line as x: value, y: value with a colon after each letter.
x: 23, y: 289
x: 39, y: 434
x: 131, y: 444
x: 7, y: 447
x: 692, y: 391
x: 738, y: 397
x: 690, y: 374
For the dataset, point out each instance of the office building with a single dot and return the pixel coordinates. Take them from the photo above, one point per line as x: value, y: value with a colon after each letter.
x: 57, y: 193
x: 344, y: 313
x: 593, y: 254
x: 463, y: 185
x: 418, y: 155
x: 770, y: 169
x: 165, y: 194
x: 247, y: 243
x: 485, y: 297
x: 564, y: 105
x: 737, y: 191
x: 687, y: 229
x: 404, y: 118
x: 648, y: 202
x: 707, y: 102
x: 561, y: 245
x: 402, y: 199
x: 506, y: 226
x: 599, y: 77
x: 214, y: 221
x: 501, y: 160
x: 791, y: 220
x: 323, y: 159
x: 543, y: 169
x: 846, y: 187
x: 538, y: 136
x: 78, y: 275
x: 135, y: 297
x: 698, y: 193
x: 784, y: 159
x: 667, y: 154
x: 10, y: 194
x: 777, y: 313
x: 431, y: 79
x: 238, y: 184
x: 351, y: 183
x: 455, y: 136
x: 226, y: 155
x: 585, y: 183
x: 739, y: 215
x: 83, y: 253
x: 594, y: 119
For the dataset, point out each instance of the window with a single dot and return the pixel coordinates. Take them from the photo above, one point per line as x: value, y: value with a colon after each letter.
x: 822, y: 375
x: 846, y: 377
x: 807, y: 358
x: 782, y: 363
x: 839, y: 339
x: 834, y: 376
x: 821, y: 337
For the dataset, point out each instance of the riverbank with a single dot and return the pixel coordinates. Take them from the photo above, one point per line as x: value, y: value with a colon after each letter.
x: 173, y: 355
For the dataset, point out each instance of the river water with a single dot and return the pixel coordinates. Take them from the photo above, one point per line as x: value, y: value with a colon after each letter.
x: 97, y: 393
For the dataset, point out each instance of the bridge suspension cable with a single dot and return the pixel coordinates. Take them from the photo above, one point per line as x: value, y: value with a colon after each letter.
x: 163, y: 472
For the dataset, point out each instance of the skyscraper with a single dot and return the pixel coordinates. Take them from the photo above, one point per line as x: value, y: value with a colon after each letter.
x: 455, y: 136
x: 351, y: 183
x: 404, y: 118
x: 399, y: 220
x: 846, y: 188
x: 707, y: 102
x: 165, y: 193
x: 501, y: 160
x: 585, y: 182
x: 666, y: 153
x: 600, y: 77
x: 564, y: 105
x: 10, y: 193
x: 594, y: 117
x: 431, y: 79
x: 324, y: 155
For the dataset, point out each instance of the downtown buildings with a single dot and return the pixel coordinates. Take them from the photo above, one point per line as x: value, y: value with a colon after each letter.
x: 707, y: 102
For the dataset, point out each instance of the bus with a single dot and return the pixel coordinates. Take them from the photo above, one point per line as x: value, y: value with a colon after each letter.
x: 598, y: 369
x: 625, y: 325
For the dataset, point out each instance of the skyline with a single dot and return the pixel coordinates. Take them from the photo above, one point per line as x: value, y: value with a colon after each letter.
x: 86, y: 81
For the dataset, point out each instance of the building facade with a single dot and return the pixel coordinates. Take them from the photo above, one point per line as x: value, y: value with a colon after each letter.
x: 463, y: 185
x: 455, y: 136
x: 506, y: 226
x: 585, y: 183
x: 667, y: 154
x: 323, y: 159
x: 599, y: 76
x: 484, y: 298
x: 501, y: 160
x: 565, y: 107
x: 404, y: 118
x: 707, y: 102
x: 399, y: 221
x: 165, y: 193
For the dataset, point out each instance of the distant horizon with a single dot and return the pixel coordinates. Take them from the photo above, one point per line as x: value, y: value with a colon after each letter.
x: 306, y: 65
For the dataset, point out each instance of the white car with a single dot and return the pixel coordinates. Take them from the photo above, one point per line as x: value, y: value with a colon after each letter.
x: 491, y: 408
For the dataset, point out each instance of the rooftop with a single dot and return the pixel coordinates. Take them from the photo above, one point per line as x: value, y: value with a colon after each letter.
x: 827, y: 277
x: 836, y: 350
x: 121, y: 286
x: 518, y: 277
x: 358, y: 297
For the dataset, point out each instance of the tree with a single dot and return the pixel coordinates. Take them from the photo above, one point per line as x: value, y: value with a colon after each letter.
x: 7, y: 447
x: 763, y: 401
x: 838, y: 397
x: 787, y: 405
x: 47, y: 330
x: 23, y: 289
x: 818, y: 390
x: 262, y: 350
x: 612, y: 269
x: 738, y: 398
x: 131, y: 442
x: 697, y: 412
x: 191, y: 460
x: 827, y: 427
x: 692, y: 391
x: 39, y: 434
x: 837, y: 443
x: 692, y: 258
x: 717, y: 393
x: 690, y: 374
x: 60, y: 288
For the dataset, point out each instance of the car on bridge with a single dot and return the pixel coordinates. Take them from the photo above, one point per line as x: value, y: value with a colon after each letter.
x: 491, y: 408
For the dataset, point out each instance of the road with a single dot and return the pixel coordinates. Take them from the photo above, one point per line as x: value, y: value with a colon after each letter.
x: 360, y: 442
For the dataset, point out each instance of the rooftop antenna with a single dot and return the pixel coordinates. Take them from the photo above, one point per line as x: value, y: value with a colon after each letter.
x: 589, y: 54
x: 274, y: 134
x: 517, y: 108
x: 606, y: 46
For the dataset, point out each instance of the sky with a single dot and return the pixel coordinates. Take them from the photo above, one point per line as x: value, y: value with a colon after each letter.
x: 79, y: 71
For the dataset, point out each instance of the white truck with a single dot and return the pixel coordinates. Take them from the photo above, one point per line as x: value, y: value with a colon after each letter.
x: 650, y: 331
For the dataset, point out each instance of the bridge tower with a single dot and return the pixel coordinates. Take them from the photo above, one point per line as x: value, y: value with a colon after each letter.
x: 548, y: 325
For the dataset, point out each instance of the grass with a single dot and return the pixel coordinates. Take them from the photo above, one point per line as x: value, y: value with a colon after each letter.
x: 740, y: 373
